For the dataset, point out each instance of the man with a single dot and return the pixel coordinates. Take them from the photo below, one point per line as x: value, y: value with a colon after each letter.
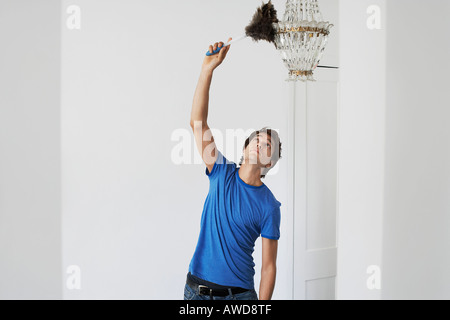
x: 239, y: 207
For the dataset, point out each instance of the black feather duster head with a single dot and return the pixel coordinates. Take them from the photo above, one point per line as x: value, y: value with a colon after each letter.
x: 261, y: 28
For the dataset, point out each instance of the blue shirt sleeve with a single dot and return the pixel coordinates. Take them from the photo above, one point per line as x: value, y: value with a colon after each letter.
x: 270, y: 226
x: 221, y: 166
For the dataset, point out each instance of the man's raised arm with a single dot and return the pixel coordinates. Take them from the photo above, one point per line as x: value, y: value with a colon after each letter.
x: 199, y: 113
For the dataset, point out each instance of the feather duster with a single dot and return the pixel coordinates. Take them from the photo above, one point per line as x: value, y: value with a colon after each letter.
x: 261, y: 28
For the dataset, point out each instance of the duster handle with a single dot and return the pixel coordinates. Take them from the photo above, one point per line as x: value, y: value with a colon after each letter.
x: 226, y: 44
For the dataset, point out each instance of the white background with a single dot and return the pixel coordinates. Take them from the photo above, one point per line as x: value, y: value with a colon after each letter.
x: 87, y: 175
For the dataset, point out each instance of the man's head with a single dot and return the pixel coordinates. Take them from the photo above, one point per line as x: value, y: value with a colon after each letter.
x: 262, y: 147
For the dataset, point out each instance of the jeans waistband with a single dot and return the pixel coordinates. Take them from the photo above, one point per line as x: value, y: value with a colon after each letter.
x: 204, y: 289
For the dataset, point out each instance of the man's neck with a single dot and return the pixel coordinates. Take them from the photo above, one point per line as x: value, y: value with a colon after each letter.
x: 250, y: 174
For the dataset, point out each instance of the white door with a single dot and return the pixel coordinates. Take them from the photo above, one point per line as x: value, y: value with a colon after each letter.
x: 313, y: 113
x: 312, y: 178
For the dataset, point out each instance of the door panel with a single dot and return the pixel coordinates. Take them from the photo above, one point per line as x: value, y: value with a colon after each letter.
x: 315, y: 112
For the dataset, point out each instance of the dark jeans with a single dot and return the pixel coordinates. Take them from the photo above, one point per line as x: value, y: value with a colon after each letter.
x: 191, y: 294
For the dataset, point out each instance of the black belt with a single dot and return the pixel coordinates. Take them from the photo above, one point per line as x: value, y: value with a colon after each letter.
x: 206, y: 291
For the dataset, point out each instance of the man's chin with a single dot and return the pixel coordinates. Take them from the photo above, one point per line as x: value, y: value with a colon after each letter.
x: 253, y: 159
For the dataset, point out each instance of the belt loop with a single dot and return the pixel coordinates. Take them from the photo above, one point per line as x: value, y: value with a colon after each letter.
x: 230, y: 292
x: 210, y: 294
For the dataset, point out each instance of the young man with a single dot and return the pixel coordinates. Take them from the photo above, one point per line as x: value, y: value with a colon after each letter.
x: 239, y: 207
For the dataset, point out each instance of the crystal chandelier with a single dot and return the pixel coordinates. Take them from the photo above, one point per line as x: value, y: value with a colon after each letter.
x: 301, y: 38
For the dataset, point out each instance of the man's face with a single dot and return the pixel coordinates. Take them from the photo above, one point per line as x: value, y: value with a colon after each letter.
x: 259, y: 150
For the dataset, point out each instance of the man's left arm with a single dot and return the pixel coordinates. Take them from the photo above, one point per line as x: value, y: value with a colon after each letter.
x: 268, y: 269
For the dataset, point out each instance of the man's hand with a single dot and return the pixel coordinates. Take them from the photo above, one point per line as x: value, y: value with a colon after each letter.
x: 212, y: 62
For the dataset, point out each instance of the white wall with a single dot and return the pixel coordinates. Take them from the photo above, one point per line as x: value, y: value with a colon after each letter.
x: 30, y: 166
x: 416, y: 238
x: 361, y: 148
x: 394, y: 179
x: 131, y: 215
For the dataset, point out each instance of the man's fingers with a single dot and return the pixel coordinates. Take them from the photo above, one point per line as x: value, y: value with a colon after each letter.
x: 220, y: 44
x: 223, y: 52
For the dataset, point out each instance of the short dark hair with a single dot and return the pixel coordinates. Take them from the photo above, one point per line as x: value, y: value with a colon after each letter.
x: 276, y: 147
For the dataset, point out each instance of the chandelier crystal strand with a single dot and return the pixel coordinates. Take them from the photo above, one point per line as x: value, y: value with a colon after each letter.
x: 301, y: 38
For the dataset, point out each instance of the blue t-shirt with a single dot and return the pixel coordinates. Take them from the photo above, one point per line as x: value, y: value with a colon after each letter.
x: 234, y: 215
